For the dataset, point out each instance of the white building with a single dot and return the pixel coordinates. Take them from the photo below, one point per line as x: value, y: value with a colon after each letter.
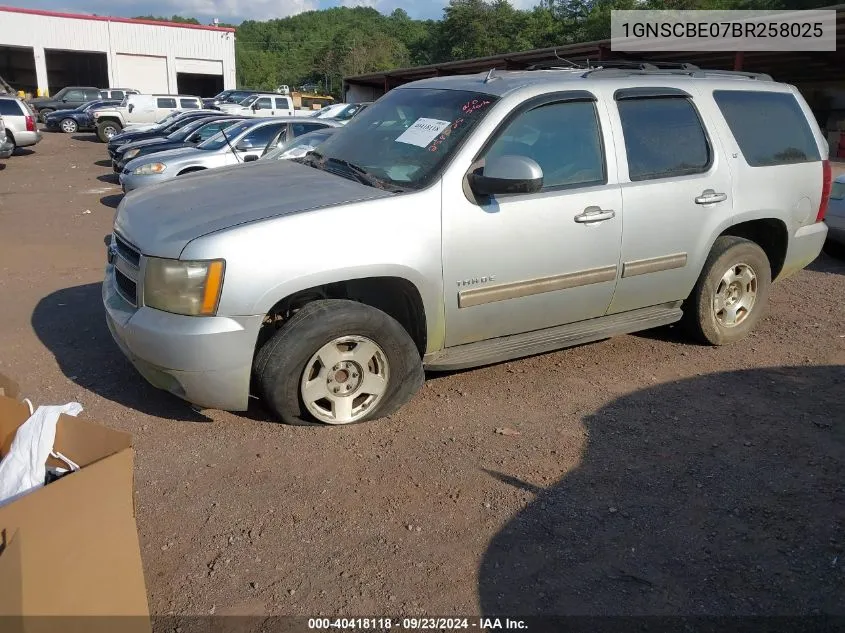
x: 46, y: 50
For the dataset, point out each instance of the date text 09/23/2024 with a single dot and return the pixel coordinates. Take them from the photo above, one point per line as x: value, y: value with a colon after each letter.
x: 415, y: 624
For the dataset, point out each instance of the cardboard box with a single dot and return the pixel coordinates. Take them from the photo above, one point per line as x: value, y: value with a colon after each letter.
x: 70, y: 548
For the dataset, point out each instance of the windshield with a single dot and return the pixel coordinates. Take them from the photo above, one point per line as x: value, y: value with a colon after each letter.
x: 300, y: 145
x: 406, y: 136
x: 248, y: 101
x: 218, y: 140
x: 182, y: 132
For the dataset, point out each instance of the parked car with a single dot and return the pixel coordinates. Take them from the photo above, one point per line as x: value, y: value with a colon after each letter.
x: 351, y: 110
x: 65, y: 99
x: 330, y: 110
x: 228, y: 96
x: 160, y: 131
x: 6, y: 146
x: 140, y: 108
x: 236, y: 144
x: 299, y: 146
x: 78, y: 119
x: 261, y: 105
x: 507, y: 214
x: 117, y: 93
x: 19, y: 122
x: 835, y: 218
x: 190, y: 135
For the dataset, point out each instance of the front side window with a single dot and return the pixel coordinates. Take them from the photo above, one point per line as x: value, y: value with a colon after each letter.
x: 265, y: 103
x: 232, y: 132
x: 769, y: 127
x: 563, y: 138
x: 663, y: 138
x: 406, y: 137
x: 166, y: 102
x: 258, y: 138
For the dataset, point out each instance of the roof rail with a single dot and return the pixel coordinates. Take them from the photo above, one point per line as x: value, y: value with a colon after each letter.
x: 690, y: 70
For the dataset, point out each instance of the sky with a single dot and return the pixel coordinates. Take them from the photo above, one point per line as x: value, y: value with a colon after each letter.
x: 234, y: 11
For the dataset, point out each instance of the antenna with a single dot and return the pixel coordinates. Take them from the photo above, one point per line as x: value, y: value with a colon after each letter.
x: 490, y: 76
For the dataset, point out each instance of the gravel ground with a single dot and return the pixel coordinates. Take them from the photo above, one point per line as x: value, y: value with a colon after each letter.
x: 639, y: 475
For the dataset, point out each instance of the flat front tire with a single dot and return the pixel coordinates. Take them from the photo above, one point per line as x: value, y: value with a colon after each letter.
x: 731, y: 294
x: 106, y: 130
x: 338, y: 362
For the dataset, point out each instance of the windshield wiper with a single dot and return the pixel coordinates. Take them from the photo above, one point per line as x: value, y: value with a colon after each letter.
x: 316, y: 159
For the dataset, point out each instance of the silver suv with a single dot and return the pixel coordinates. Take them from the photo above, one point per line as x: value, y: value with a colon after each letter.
x: 461, y: 221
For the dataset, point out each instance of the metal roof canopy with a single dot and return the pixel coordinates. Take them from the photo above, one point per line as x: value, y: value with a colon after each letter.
x: 787, y: 66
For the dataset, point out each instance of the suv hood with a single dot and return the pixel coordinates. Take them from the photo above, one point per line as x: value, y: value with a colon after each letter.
x: 160, y: 220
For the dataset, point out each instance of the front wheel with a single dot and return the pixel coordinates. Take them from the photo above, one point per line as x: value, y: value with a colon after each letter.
x: 107, y: 129
x: 69, y: 126
x: 43, y: 114
x: 338, y: 362
x: 729, y: 298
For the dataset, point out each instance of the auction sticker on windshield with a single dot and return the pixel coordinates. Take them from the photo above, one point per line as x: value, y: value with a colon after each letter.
x: 423, y: 131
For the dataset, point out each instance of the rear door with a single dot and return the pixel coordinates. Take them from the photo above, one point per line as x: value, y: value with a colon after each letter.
x: 676, y: 191
x: 284, y: 106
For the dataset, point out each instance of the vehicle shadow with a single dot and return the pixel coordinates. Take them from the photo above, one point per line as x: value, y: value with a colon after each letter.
x: 103, y: 163
x: 71, y: 323
x: 88, y: 138
x: 719, y: 495
x: 112, y: 178
x: 23, y: 151
x: 832, y: 260
x: 112, y: 200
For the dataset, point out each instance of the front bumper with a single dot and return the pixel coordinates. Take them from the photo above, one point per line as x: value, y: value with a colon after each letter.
x: 131, y: 182
x: 804, y: 247
x: 204, y: 360
x: 835, y: 229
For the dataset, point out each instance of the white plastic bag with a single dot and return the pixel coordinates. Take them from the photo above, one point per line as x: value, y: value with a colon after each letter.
x: 24, y: 468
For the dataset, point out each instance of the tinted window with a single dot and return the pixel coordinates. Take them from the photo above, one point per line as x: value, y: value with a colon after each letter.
x: 104, y: 94
x: 212, y: 128
x: 265, y: 103
x: 92, y: 94
x: 73, y: 95
x: 258, y: 139
x: 303, y: 128
x: 166, y: 102
x: 663, y: 138
x: 10, y: 108
x: 117, y: 94
x: 769, y: 127
x: 282, y: 103
x: 563, y: 138
x: 188, y: 104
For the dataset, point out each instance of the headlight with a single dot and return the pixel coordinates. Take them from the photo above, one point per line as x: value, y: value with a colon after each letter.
x: 132, y: 153
x: 149, y: 169
x: 191, y: 288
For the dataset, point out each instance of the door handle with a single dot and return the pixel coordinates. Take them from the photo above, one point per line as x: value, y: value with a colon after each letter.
x: 595, y: 214
x: 708, y: 196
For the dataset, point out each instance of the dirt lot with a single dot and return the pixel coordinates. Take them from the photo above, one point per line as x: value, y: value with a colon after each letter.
x: 648, y: 475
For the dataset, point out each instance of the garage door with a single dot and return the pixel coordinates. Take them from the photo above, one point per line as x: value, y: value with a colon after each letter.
x: 199, y: 66
x: 145, y: 73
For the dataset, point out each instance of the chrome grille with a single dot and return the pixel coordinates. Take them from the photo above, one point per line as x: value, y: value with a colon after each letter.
x: 127, y: 262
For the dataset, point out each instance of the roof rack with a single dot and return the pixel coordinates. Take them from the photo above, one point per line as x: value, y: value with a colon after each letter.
x: 626, y: 68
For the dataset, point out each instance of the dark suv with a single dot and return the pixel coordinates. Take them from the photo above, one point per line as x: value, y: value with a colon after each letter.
x: 67, y: 98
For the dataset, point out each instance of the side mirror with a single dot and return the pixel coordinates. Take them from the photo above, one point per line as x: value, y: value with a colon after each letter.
x: 507, y: 174
x: 131, y: 107
x: 249, y: 158
x: 256, y: 107
x: 243, y: 146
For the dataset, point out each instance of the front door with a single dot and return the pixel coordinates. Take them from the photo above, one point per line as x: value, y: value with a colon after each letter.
x: 677, y: 192
x: 253, y: 142
x: 524, y: 262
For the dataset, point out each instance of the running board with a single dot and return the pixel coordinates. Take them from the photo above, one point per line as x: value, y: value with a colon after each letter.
x: 506, y: 348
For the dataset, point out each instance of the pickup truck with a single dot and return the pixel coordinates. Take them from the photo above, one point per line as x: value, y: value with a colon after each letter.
x: 138, y: 108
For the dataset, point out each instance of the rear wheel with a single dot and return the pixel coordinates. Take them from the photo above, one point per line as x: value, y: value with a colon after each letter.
x: 69, y: 126
x: 107, y: 129
x: 729, y: 298
x: 43, y: 114
x: 338, y: 362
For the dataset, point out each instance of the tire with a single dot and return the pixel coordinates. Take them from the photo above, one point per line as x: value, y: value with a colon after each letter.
x: 107, y: 129
x: 11, y: 139
x: 733, y: 286
x: 281, y: 364
x: 42, y: 114
x: 69, y: 126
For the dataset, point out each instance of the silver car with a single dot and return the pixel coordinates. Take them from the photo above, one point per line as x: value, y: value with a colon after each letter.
x: 835, y: 217
x: 505, y: 214
x: 239, y: 143
x: 21, y: 130
x: 298, y: 146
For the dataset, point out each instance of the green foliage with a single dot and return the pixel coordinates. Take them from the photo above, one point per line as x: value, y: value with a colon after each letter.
x: 176, y: 18
x: 322, y: 47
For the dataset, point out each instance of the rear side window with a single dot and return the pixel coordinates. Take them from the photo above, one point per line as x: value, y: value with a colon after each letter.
x: 117, y: 94
x: 90, y: 95
x: 188, y: 104
x: 282, y: 103
x: 166, y: 102
x: 769, y: 127
x: 663, y: 138
x: 10, y: 108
